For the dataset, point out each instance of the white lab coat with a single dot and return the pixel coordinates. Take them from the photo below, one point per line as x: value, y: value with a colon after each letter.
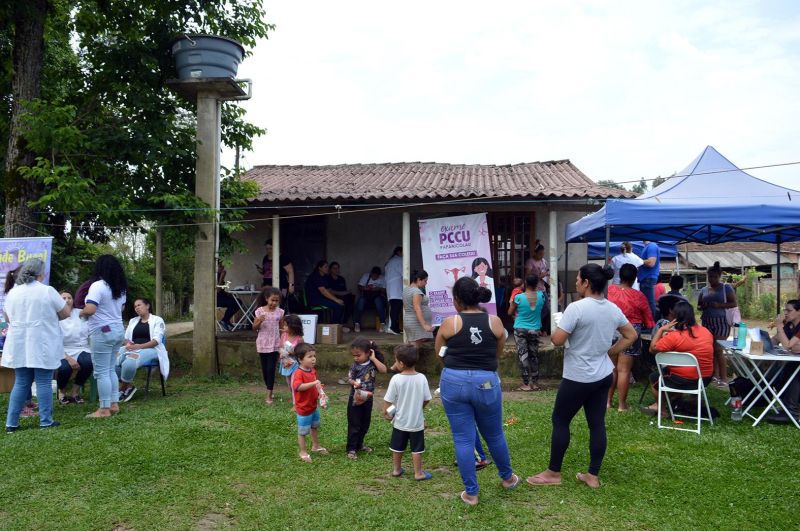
x: 158, y: 331
x: 34, y: 337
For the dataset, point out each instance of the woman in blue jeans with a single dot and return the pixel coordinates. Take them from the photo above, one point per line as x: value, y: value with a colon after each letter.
x: 104, y: 303
x: 33, y: 343
x: 470, y: 387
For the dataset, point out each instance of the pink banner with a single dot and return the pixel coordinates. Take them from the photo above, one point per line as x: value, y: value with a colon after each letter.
x: 454, y: 247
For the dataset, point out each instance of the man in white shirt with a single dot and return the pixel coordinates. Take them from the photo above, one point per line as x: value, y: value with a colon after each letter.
x: 371, y: 291
x: 394, y: 288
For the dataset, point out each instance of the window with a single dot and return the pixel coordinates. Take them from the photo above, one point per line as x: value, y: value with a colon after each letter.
x: 512, y: 236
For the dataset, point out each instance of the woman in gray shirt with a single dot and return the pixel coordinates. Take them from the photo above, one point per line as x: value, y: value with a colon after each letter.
x: 589, y: 325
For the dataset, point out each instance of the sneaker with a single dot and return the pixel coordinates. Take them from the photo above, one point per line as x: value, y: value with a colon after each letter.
x: 390, y: 331
x: 482, y: 463
x: 126, y: 395
x: 357, y: 328
x: 54, y: 424
x: 11, y: 429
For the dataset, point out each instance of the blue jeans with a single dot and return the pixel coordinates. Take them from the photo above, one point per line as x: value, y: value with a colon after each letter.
x: 473, y: 398
x: 105, y: 346
x: 127, y: 366
x: 648, y: 287
x: 361, y: 305
x: 21, y: 393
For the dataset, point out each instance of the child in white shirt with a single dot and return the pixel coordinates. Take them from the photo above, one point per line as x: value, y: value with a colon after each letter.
x: 408, y: 392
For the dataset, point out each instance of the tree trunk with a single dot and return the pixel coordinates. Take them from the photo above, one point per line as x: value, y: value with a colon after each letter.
x: 26, y: 85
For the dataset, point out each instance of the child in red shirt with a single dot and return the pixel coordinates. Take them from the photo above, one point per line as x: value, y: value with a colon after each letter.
x: 307, y: 390
x: 517, y: 284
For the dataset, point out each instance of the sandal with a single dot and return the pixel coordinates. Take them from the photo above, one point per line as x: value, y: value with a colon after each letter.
x: 305, y: 457
x: 524, y: 389
x: 64, y: 400
x: 320, y: 451
x: 352, y: 455
x: 426, y: 476
x: 468, y: 502
x: 78, y: 399
x: 402, y: 471
x: 539, y: 480
x: 513, y: 485
x: 366, y: 449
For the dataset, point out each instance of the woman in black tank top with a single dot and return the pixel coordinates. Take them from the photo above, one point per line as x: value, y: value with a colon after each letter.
x: 469, y: 385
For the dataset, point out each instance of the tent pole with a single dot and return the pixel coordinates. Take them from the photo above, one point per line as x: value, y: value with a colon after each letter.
x: 608, y: 243
x: 778, y: 269
x: 566, y: 271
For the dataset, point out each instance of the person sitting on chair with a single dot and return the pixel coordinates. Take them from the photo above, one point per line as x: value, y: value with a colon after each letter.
x: 225, y: 299
x: 338, y: 286
x: 77, y: 355
x: 682, y: 334
x: 144, y: 342
x: 372, y: 291
x: 318, y: 292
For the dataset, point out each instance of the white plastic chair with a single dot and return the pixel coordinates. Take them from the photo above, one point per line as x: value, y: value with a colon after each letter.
x: 681, y: 359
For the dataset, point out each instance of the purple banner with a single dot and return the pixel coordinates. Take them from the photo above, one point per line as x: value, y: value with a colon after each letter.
x: 14, y: 252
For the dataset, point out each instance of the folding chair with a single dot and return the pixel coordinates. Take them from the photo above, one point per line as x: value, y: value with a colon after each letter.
x: 153, y: 364
x: 681, y: 359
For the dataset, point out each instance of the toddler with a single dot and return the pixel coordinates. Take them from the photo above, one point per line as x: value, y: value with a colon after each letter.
x: 307, y: 392
x: 367, y: 362
x: 408, y: 392
x: 291, y: 336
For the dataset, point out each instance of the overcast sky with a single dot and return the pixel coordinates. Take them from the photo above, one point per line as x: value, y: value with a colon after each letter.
x: 623, y: 89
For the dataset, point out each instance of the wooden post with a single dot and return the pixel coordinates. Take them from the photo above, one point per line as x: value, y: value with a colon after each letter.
x: 204, y: 337
x: 276, y: 251
x: 406, y: 255
x: 159, y: 275
x: 553, y: 269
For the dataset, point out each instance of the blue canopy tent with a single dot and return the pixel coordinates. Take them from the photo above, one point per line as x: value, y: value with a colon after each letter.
x: 711, y: 201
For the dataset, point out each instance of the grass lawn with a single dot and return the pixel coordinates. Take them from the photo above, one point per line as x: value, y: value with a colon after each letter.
x: 212, y: 455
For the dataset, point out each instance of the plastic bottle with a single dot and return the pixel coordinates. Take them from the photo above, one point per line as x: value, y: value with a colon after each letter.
x: 736, y: 413
x: 735, y: 334
x: 741, y: 340
x: 323, y: 398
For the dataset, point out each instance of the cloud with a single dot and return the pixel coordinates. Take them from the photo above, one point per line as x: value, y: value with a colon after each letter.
x: 624, y: 89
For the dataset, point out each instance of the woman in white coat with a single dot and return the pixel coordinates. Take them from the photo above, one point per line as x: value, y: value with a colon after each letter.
x: 144, y: 342
x: 33, y: 343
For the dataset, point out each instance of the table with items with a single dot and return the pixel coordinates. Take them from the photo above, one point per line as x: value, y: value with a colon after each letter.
x: 763, y: 370
x: 246, y: 301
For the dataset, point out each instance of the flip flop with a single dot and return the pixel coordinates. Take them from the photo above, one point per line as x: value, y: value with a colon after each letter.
x: 305, y: 457
x: 648, y: 411
x: 425, y: 477
x: 320, y: 451
x: 402, y: 471
x: 513, y: 485
x: 578, y: 477
x: 352, y: 455
x: 529, y: 389
x: 366, y: 449
x: 537, y: 480
x: 468, y: 502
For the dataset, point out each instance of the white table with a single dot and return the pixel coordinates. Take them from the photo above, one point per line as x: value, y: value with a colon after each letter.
x: 762, y: 370
x: 246, y: 301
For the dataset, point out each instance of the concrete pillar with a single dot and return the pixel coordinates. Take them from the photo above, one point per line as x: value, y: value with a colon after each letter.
x: 159, y: 275
x: 553, y: 253
x: 206, y: 186
x: 406, y: 255
x: 276, y: 251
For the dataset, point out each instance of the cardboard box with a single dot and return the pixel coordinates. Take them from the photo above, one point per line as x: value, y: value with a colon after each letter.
x: 329, y: 334
x: 756, y: 347
x: 6, y: 380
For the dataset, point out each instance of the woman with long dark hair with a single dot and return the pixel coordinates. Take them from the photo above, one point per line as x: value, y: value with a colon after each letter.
x: 589, y: 324
x: 470, y: 386
x: 682, y: 334
x: 319, y: 294
x: 104, y: 303
x: 417, y: 316
x: 713, y: 300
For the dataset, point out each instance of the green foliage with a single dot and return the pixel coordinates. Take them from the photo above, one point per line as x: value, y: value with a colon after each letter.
x: 640, y: 187
x: 211, y: 454
x: 608, y: 183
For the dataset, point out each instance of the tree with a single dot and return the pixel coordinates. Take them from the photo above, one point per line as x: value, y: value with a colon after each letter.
x: 108, y: 145
x: 26, y: 85
x: 640, y: 187
x: 608, y: 183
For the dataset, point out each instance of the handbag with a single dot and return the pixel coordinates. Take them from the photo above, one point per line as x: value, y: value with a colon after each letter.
x: 732, y: 315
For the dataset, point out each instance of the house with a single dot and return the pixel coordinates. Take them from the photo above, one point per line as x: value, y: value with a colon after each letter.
x: 356, y: 214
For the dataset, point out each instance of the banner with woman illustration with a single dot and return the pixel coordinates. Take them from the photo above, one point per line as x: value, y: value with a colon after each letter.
x: 454, y: 247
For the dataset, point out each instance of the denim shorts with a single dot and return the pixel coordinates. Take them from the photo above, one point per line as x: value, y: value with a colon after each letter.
x: 306, y: 422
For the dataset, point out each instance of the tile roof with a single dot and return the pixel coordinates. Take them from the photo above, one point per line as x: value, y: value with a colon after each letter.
x: 740, y: 247
x: 425, y: 181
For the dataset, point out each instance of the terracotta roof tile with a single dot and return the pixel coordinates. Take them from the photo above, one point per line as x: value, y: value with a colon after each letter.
x: 426, y: 180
